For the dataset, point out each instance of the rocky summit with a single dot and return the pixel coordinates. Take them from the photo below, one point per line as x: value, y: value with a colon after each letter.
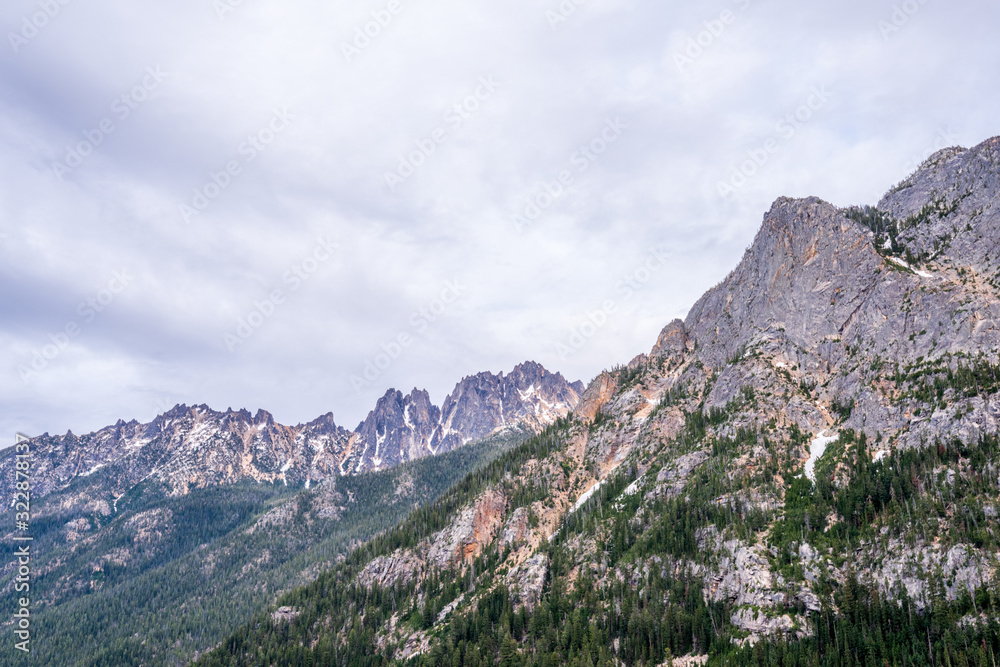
x: 403, y: 428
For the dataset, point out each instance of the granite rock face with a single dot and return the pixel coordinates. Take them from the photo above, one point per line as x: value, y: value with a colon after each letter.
x: 673, y: 340
x: 808, y: 274
x: 833, y: 302
x: 527, y: 580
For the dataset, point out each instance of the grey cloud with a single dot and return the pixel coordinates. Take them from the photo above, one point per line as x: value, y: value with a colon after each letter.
x: 689, y: 129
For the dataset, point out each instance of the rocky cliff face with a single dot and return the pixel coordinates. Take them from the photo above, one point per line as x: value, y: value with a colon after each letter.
x: 807, y: 275
x: 194, y: 446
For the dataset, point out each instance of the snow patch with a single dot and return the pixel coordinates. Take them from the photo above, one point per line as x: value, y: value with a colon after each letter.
x: 897, y: 261
x: 816, y: 450
x: 586, y: 495
x: 92, y: 470
x: 379, y: 439
x: 631, y: 488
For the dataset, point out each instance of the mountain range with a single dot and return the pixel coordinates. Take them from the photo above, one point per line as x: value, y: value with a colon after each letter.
x: 803, y: 471
x: 196, y: 447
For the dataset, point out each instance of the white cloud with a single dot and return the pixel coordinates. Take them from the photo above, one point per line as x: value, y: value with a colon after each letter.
x: 162, y: 341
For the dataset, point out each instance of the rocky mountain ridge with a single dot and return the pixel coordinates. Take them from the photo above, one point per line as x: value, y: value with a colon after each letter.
x: 194, y: 446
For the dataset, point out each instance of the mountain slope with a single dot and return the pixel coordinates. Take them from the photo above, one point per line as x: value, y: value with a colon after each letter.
x: 167, y: 576
x: 178, y: 530
x: 804, y: 471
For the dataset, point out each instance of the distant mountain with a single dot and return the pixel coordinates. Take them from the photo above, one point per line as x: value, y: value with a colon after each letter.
x: 193, y: 447
x: 403, y: 428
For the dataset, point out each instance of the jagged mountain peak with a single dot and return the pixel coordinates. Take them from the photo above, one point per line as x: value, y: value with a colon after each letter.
x: 402, y: 428
x: 263, y: 417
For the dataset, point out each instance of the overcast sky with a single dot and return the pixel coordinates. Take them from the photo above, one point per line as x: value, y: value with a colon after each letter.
x: 247, y: 202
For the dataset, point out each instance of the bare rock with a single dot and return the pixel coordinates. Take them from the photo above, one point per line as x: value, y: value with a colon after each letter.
x: 598, y: 392
x: 673, y: 340
x: 515, y: 530
x: 402, y: 566
x: 285, y: 614
x: 473, y: 529
x: 526, y: 581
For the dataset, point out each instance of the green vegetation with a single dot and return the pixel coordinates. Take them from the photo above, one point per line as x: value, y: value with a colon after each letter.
x: 885, y: 227
x: 636, y: 598
x: 630, y: 572
x: 870, y: 630
x: 208, y: 574
x: 927, y: 381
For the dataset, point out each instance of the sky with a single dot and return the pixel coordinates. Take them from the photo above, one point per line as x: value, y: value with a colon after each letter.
x: 295, y: 205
